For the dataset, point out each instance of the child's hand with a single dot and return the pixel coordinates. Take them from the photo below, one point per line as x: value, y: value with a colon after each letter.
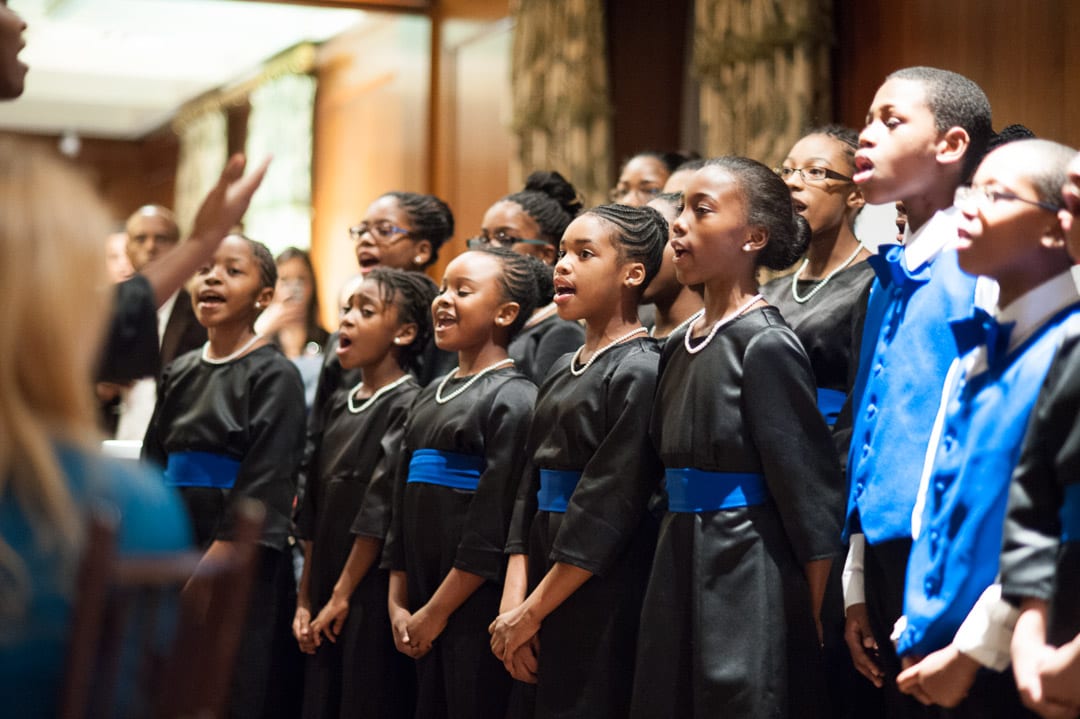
x: 1059, y: 675
x: 861, y: 643
x: 301, y: 628
x: 424, y: 628
x: 331, y: 620
x: 511, y: 630
x: 399, y: 623
x: 525, y: 661
x: 943, y: 677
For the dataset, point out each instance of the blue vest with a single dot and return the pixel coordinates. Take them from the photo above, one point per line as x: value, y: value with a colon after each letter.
x: 956, y: 554
x: 907, y: 348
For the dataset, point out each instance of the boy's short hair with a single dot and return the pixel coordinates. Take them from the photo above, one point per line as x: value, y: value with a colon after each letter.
x: 1049, y: 162
x: 955, y: 101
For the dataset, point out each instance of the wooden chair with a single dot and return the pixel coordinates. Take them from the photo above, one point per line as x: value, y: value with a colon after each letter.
x: 148, y: 637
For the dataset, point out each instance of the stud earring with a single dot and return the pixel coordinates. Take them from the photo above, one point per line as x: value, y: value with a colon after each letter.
x: 258, y: 305
x: 418, y: 260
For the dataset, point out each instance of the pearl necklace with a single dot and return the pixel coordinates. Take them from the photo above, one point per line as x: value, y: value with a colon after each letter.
x: 684, y: 323
x: 822, y: 283
x: 597, y: 353
x: 540, y: 315
x: 438, y: 390
x: 378, y: 393
x: 716, y: 326
x: 222, y: 360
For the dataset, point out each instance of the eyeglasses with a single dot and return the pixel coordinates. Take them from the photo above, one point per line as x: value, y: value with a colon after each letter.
x: 979, y: 197
x: 501, y: 239
x: 811, y: 174
x: 646, y: 192
x: 382, y: 231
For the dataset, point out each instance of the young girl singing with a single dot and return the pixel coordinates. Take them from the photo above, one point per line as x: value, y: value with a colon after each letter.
x: 580, y: 540
x: 229, y: 423
x: 729, y: 625
x: 458, y: 473
x: 354, y: 669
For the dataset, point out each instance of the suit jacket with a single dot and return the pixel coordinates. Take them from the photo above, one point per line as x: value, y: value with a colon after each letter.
x: 183, y: 332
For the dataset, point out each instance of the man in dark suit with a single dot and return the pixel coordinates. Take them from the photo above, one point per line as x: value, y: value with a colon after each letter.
x: 152, y: 232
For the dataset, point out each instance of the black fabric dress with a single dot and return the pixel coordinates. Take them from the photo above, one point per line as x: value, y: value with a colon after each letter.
x: 536, y: 348
x: 1040, y: 558
x: 351, y: 493
x: 437, y: 528
x: 727, y: 628
x: 249, y: 411
x: 596, y: 424
x: 829, y: 325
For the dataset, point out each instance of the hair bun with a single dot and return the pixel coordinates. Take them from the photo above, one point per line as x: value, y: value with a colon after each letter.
x: 558, y: 188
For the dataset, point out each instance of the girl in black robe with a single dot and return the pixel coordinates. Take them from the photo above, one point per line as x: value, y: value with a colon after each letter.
x: 462, y: 456
x: 531, y: 222
x: 580, y: 515
x: 229, y: 424
x: 353, y: 668
x: 730, y: 621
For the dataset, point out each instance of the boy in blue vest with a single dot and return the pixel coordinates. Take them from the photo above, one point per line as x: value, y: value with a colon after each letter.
x: 1040, y: 556
x: 926, y: 131
x: 954, y: 636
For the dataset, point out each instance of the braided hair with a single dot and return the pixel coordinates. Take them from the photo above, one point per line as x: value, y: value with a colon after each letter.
x: 551, y: 201
x: 768, y: 205
x: 412, y: 294
x: 640, y: 234
x: 844, y: 135
x: 431, y: 219
x: 518, y: 282
x: 263, y: 260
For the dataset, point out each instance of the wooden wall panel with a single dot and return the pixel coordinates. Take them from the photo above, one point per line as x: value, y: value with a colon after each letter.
x: 1024, y: 55
x: 371, y: 118
x: 473, y: 139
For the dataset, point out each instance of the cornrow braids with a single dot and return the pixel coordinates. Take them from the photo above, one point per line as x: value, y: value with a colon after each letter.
x: 551, y: 201
x: 263, y: 259
x: 768, y: 205
x: 412, y: 294
x: 431, y: 219
x: 846, y: 136
x: 544, y: 276
x: 640, y: 234
x: 518, y: 281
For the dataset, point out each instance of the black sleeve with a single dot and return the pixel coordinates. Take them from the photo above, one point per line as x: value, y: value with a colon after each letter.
x: 844, y: 426
x: 487, y: 522
x: 131, y: 343
x: 1049, y: 459
x: 330, y: 378
x: 615, y: 486
x: 393, y: 555
x: 153, y: 449
x: 376, y: 508
x: 276, y: 438
x: 779, y: 404
x: 562, y: 338
x: 525, y: 506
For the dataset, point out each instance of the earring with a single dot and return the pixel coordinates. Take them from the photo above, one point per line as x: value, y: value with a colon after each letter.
x: 258, y: 305
x: 746, y: 247
x: 418, y: 260
x: 397, y: 340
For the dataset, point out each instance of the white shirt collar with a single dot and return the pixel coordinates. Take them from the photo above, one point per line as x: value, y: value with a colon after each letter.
x: 1033, y: 308
x: 930, y: 240
x: 163, y: 314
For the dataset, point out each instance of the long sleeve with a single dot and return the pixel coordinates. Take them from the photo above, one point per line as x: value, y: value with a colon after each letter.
x: 376, y: 509
x: 616, y: 483
x: 483, y: 539
x: 131, y: 344
x: 796, y: 450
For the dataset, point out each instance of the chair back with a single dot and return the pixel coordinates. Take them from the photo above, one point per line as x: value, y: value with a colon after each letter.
x: 157, y: 636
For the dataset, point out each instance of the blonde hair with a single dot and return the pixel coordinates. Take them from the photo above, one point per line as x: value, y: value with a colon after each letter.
x: 54, y: 298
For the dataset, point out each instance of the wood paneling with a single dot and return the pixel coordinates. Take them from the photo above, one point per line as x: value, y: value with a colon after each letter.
x: 371, y: 120
x: 1024, y: 55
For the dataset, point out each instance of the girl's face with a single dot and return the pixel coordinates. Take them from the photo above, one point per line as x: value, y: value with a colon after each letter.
x: 294, y: 284
x: 369, y: 327
x: 507, y: 225
x: 384, y: 238
x: 640, y: 180
x: 229, y: 289
x: 665, y: 285
x: 824, y: 203
x: 709, y: 235
x: 470, y: 306
x: 590, y: 273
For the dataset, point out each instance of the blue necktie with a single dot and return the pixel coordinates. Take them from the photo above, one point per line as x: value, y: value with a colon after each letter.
x: 982, y: 329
